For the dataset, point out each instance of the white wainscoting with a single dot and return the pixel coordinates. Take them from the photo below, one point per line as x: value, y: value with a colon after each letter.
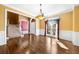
x: 37, y: 31
x: 32, y: 28
x: 76, y: 38
x: 42, y: 31
x: 2, y: 38
x: 67, y: 35
x: 70, y: 36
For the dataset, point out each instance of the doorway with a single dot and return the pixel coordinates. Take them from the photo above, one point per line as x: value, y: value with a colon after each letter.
x: 16, y: 28
x: 16, y: 24
x: 52, y: 28
x: 12, y: 25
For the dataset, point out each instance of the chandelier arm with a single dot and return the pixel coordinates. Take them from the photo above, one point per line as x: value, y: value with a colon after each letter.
x: 41, y: 16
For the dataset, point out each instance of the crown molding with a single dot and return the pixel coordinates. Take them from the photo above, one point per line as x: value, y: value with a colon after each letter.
x: 25, y: 13
x: 62, y: 12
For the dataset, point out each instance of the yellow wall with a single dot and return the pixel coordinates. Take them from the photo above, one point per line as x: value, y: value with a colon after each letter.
x: 76, y: 19
x: 66, y: 21
x: 42, y: 24
x: 2, y: 16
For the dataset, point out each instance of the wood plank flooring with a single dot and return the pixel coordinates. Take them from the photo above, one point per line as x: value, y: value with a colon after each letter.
x: 32, y: 44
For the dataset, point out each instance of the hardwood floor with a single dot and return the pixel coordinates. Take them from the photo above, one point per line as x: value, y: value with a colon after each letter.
x: 72, y: 49
x: 32, y: 44
x: 3, y: 49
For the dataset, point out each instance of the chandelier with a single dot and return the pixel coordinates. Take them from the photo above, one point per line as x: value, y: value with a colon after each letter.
x: 41, y: 15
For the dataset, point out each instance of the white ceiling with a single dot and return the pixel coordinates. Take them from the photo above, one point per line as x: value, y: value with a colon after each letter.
x: 48, y: 9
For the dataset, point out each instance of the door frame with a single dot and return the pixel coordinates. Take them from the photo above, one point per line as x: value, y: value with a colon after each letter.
x: 6, y: 25
x: 58, y: 19
x: 13, y: 11
x: 6, y: 10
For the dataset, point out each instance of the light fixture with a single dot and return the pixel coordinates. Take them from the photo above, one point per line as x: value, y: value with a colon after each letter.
x: 41, y: 15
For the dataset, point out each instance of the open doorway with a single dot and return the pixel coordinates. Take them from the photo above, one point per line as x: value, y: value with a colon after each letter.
x: 12, y: 25
x: 52, y: 28
x: 17, y: 24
